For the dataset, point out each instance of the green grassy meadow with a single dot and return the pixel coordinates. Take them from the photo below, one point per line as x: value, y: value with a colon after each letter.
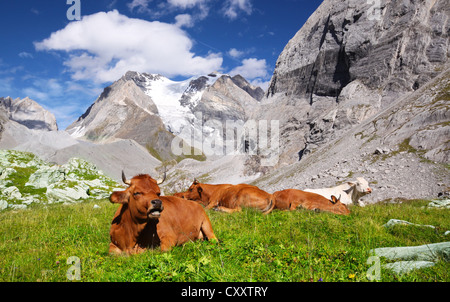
x: 297, y: 246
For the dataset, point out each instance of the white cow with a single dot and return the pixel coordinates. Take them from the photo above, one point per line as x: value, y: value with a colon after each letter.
x: 350, y: 192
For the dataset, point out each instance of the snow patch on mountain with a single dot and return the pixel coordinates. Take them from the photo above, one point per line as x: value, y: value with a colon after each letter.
x: 175, y: 102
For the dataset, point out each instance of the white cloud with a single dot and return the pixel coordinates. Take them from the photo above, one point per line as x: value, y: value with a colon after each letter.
x: 234, y: 53
x: 255, y: 71
x: 140, y: 5
x: 260, y: 83
x: 251, y: 69
x: 199, y: 8
x: 26, y: 55
x: 65, y: 99
x: 184, y: 20
x: 169, y: 6
x: 44, y: 90
x: 103, y: 46
x: 233, y: 7
x: 186, y: 3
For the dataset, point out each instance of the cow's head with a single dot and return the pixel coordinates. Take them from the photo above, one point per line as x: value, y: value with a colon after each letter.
x: 179, y: 195
x: 338, y: 206
x: 361, y: 186
x: 141, y: 197
x: 194, y: 192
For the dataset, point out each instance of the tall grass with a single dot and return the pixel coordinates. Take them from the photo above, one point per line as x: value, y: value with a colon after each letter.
x: 282, y: 246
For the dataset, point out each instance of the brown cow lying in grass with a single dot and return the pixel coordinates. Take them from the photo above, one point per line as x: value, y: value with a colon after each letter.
x: 290, y: 199
x: 145, y: 219
x: 229, y: 198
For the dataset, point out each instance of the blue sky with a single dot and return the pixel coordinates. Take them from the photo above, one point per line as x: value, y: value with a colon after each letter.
x: 65, y: 64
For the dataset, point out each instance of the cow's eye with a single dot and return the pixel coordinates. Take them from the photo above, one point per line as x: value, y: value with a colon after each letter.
x: 137, y: 193
x: 159, y: 194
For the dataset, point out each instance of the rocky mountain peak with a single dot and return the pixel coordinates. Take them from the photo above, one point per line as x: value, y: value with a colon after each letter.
x: 395, y: 46
x: 254, y: 91
x: 28, y: 113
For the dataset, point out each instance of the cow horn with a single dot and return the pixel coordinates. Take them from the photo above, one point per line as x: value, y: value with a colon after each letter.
x: 125, y: 180
x: 160, y: 181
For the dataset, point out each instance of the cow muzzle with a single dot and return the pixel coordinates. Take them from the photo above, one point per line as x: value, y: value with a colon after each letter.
x: 155, y: 209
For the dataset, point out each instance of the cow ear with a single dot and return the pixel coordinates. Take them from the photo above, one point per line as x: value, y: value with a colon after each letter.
x: 333, y: 199
x: 121, y: 197
x: 351, y: 184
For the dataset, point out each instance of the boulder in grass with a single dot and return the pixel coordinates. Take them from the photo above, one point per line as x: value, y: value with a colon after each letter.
x: 403, y: 267
x: 426, y: 252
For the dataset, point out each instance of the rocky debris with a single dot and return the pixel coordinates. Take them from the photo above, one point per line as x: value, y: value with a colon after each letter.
x: 28, y: 113
x: 3, y: 204
x: 25, y: 179
x: 439, y: 204
x: 45, y: 176
x: 380, y: 151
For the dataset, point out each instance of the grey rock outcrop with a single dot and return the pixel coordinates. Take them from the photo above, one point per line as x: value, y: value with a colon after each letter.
x: 395, y: 47
x: 36, y: 181
x: 439, y: 204
x: 225, y: 100
x: 255, y: 92
x: 413, y: 257
x: 403, y: 267
x: 28, y: 113
x: 426, y: 252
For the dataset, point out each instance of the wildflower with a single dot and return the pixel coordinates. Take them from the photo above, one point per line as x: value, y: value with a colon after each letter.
x: 320, y: 280
x: 351, y: 276
x: 57, y: 262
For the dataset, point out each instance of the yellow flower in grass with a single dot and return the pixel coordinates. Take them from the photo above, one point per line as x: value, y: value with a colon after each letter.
x: 351, y: 276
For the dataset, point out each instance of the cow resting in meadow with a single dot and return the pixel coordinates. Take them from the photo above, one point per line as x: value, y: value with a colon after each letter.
x: 291, y: 199
x: 350, y: 192
x: 146, y: 220
x: 230, y: 198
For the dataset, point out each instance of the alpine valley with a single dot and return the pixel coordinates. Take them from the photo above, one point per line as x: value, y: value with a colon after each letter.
x: 354, y: 95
